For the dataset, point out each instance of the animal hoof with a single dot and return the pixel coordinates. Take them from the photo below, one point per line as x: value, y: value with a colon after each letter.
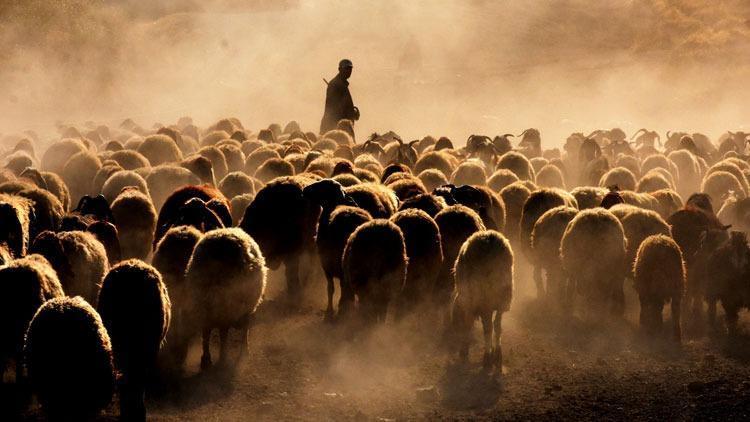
x: 205, y: 362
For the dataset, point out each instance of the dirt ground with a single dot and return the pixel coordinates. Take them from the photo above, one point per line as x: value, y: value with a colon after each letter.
x: 300, y: 368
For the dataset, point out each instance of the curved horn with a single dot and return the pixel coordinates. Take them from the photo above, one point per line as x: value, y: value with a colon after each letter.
x: 410, y: 144
x: 508, y: 134
x: 639, y: 131
x: 668, y: 135
x: 595, y: 132
x: 524, y: 132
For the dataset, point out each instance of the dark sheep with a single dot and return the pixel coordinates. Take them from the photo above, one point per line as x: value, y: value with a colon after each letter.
x: 425, y: 253
x: 106, y: 233
x: 135, y: 218
x: 374, y: 267
x: 165, y: 179
x: 659, y: 276
x: 69, y: 359
x: 136, y: 336
x: 427, y: 202
x: 378, y: 200
x: 27, y: 284
x: 730, y: 270
x: 170, y: 211
x: 545, y: 247
x: 16, y: 215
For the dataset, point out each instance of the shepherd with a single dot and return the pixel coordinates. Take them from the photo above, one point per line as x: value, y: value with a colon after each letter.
x: 339, y: 104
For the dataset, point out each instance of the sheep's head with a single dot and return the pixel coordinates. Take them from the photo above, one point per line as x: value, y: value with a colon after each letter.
x: 196, y: 213
x: 34, y: 175
x: 96, y: 207
x: 502, y: 143
x: 644, y: 137
x: 700, y: 201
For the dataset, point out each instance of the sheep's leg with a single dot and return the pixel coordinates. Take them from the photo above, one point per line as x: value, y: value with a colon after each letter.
x: 731, y: 313
x: 132, y: 400
x: 677, y: 330
x: 206, y: 357
x: 223, y: 349
x: 461, y: 328
x: 346, y: 301
x: 487, y: 331
x: 539, y: 281
x: 712, y: 312
x: 292, y: 280
x: 244, y: 332
x: 618, y: 298
x: 498, y: 332
x: 644, y: 315
x: 331, y: 290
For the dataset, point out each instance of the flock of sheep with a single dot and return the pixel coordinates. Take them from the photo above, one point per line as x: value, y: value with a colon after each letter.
x: 122, y: 245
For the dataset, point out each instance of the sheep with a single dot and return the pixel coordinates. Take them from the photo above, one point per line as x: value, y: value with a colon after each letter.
x: 514, y: 197
x: 537, y: 204
x: 171, y: 259
x: 429, y: 203
x: 160, y: 149
x: 130, y: 160
x: 437, y: 161
x: 273, y: 168
x: 484, y: 286
x: 401, y: 170
x: 550, y: 176
x: 106, y: 233
x: 18, y: 161
x: 374, y: 267
x: 15, y: 215
x: 640, y: 200
x: 47, y: 210
x: 406, y: 188
x: 136, y: 336
x: 537, y: 163
x: 518, y: 164
x: 729, y: 264
x: 659, y: 277
x: 236, y: 183
x: 27, y: 283
x: 366, y: 176
x: 619, y: 176
x: 122, y: 179
x: 78, y: 258
x: 258, y: 157
x: 238, y: 204
x: 638, y: 224
x: 231, y: 299
x: 500, y: 179
x: 689, y: 171
x: 432, y: 179
x: 170, y: 211
x: 79, y: 173
x: 55, y: 157
x: 165, y: 179
x: 69, y: 359
x: 456, y: 223
x: 218, y: 162
x: 668, y: 202
x: 378, y: 200
x: 469, y: 173
x: 347, y: 179
x: 108, y: 169
x: 719, y: 184
x: 234, y: 157
x: 283, y: 223
x: 424, y: 252
x: 57, y: 187
x: 593, y: 257
x: 653, y: 181
x: 545, y: 247
x: 135, y: 219
x: 588, y: 196
x: 731, y: 167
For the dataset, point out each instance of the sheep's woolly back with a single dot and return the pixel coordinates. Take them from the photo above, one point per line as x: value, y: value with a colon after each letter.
x: 456, y: 224
x: 48, y: 211
x: 69, y: 359
x: 280, y: 219
x: 429, y: 203
x: 653, y: 181
x: 731, y: 167
x: 484, y: 273
x: 588, y: 196
x: 659, y: 270
x: 236, y: 183
x: 407, y: 187
x: 57, y: 186
x: 435, y: 160
x: 120, y: 180
x: 550, y: 176
x: 15, y: 223
x: 226, y: 276
x: 514, y: 197
x: 273, y: 168
x: 537, y: 204
x: 79, y: 259
x: 469, y: 173
x: 640, y: 224
x: 135, y: 219
x: 593, y: 245
x: 27, y: 283
x: 640, y: 200
x: 619, y: 176
x: 342, y: 222
x: 422, y: 237
x: 129, y: 159
x: 165, y: 179
x: 173, y: 253
x: 55, y: 157
x: 218, y: 162
x: 719, y: 184
x: 518, y: 164
x: 171, y: 209
x: 629, y: 162
x: 79, y: 173
x: 668, y: 201
x: 432, y: 179
x: 378, y: 200
x: 655, y: 161
x: 547, y: 234
x: 374, y: 260
x: 160, y: 149
x: 500, y: 179
x: 136, y: 336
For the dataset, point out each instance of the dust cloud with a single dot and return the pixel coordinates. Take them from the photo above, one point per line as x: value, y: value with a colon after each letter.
x: 423, y: 67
